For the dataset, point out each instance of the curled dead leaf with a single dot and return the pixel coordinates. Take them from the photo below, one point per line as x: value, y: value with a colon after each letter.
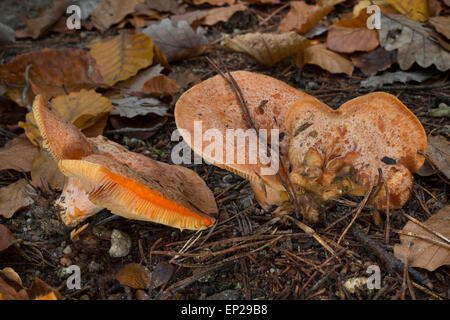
x: 14, y: 197
x: 110, y: 12
x: 350, y: 35
x: 134, y: 275
x: 374, y: 61
x: 303, y: 17
x: 416, y: 10
x: 414, y: 43
x: 161, y: 86
x: 326, y: 59
x: 53, y: 71
x: 424, y: 248
x: 177, y: 42
x: 17, y: 155
x: 442, y: 25
x: 123, y: 56
x: 267, y: 48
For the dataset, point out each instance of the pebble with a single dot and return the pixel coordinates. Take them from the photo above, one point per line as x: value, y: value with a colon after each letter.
x: 67, y: 250
x: 120, y: 244
x: 246, y: 202
x: 94, y: 267
x: 228, y: 178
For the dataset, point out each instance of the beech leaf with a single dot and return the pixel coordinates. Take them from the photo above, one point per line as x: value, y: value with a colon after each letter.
x: 303, y: 17
x: 14, y: 197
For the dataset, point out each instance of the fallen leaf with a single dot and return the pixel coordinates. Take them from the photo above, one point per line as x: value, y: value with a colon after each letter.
x: 110, y: 12
x: 7, y: 34
x: 85, y: 109
x: 6, y: 238
x: 442, y: 25
x: 208, y: 17
x: 414, y: 43
x: 398, y: 76
x: 303, y: 17
x: 161, y: 274
x: 363, y: 4
x: 135, y: 84
x: 17, y: 155
x: 172, y: 6
x: 13, y: 198
x: 438, y: 154
x: 177, y: 42
x: 442, y: 110
x: 132, y: 106
x: 40, y: 25
x: 45, y: 173
x: 326, y: 59
x: 419, y: 245
x: 42, y: 291
x: 416, y: 10
x: 123, y: 56
x: 161, y: 86
x: 11, y: 286
x: 185, y: 78
x: 53, y: 71
x: 374, y: 61
x: 328, y: 3
x: 268, y: 48
x: 134, y: 275
x: 350, y: 35
x: 214, y: 2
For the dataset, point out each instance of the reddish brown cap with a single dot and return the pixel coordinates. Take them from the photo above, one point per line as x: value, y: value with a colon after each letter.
x: 214, y: 104
x: 336, y: 152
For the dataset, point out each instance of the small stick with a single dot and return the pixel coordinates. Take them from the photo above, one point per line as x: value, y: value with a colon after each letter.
x: 361, y: 206
x: 270, y: 16
x: 418, y: 236
x: 27, y: 87
x: 388, y: 224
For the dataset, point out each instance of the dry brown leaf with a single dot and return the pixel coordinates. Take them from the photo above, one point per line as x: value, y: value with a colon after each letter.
x: 177, y: 42
x: 85, y: 109
x: 414, y: 42
x: 420, y: 245
x: 123, y: 56
x: 326, y: 59
x: 134, y: 275
x: 132, y: 106
x: 208, y: 17
x: 442, y: 25
x: 42, y: 24
x: 350, y: 35
x: 328, y: 3
x: 435, y: 7
x: 438, y: 153
x: 6, y: 238
x: 303, y: 17
x: 172, y: 6
x: 17, y: 155
x: 135, y: 84
x: 53, y: 71
x: 268, y: 48
x: 214, y: 2
x: 110, y: 12
x: 14, y: 197
x: 11, y: 286
x: 6, y: 34
x: 45, y: 173
x: 161, y: 86
x: 161, y: 274
x: 416, y: 10
x: 374, y: 61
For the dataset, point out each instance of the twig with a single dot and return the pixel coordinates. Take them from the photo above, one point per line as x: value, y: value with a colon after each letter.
x: 270, y: 16
x: 361, y: 206
x: 391, y: 263
x: 388, y: 224
x: 27, y: 87
x: 133, y: 130
x: 418, y: 236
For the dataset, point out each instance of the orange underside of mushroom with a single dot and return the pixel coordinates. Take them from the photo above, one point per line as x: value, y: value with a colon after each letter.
x: 131, y: 184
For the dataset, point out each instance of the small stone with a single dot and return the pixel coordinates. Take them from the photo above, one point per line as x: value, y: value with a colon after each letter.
x: 65, y: 262
x: 67, y: 250
x: 272, y: 270
x: 246, y: 202
x: 120, y: 244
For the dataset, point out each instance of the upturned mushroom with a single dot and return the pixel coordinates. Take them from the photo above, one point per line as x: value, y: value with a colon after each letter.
x: 325, y: 154
x: 103, y: 174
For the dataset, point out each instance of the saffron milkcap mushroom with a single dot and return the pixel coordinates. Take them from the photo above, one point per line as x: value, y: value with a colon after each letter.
x: 213, y: 105
x: 103, y: 174
x: 338, y: 152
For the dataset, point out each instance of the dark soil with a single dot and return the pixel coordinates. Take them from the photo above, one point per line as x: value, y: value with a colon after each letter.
x: 257, y: 255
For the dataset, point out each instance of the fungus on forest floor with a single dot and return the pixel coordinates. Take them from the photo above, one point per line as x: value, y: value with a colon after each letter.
x: 103, y: 174
x: 329, y: 153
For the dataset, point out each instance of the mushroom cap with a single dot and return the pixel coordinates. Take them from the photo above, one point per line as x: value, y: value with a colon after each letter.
x: 124, y: 192
x: 214, y: 104
x: 369, y: 132
x: 62, y: 139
